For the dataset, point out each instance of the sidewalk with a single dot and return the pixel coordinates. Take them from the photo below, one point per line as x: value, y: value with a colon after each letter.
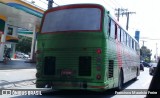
x: 17, y: 64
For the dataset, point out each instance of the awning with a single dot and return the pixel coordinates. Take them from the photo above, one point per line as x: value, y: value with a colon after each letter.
x: 26, y: 33
x: 20, y: 18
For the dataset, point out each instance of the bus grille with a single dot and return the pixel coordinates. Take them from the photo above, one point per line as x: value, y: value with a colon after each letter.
x: 85, y: 66
x: 110, y: 69
x: 49, y: 66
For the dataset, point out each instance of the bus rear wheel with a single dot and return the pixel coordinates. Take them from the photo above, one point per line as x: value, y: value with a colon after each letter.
x: 120, y: 81
x: 136, y: 78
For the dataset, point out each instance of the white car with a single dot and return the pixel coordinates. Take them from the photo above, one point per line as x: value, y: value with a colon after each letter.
x: 22, y: 55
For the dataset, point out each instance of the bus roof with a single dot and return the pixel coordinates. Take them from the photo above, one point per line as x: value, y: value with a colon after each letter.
x: 69, y: 6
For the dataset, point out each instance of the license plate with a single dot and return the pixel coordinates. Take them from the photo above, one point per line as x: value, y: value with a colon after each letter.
x: 66, y: 72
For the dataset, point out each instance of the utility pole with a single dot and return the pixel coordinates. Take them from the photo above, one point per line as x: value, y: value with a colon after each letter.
x: 127, y: 14
x: 32, y: 1
x: 143, y: 42
x: 143, y: 52
x: 50, y: 3
x: 122, y: 12
x: 119, y: 12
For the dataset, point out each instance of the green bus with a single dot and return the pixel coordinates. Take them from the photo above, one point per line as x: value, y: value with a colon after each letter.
x: 81, y: 47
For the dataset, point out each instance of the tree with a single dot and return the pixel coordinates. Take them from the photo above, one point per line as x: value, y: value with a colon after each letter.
x: 145, y: 54
x: 24, y: 44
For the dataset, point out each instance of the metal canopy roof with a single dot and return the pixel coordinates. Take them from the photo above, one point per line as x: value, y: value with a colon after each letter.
x: 19, y: 18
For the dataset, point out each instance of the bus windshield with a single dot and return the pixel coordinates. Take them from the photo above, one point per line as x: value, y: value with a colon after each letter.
x: 77, y: 19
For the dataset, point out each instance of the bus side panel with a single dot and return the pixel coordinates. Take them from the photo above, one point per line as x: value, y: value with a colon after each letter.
x: 111, y: 63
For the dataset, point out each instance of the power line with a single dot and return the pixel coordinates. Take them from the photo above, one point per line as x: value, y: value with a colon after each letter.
x: 148, y: 38
x: 56, y: 4
x: 108, y: 4
x: 113, y: 3
x: 143, y: 41
x: 118, y: 3
x: 43, y: 2
x: 119, y: 12
x: 124, y: 12
x: 47, y: 3
x: 33, y: 3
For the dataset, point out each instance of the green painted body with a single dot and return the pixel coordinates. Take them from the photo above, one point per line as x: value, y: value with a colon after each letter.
x: 67, y: 48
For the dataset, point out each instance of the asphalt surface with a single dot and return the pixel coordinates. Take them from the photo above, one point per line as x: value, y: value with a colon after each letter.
x: 17, y: 64
x: 16, y: 73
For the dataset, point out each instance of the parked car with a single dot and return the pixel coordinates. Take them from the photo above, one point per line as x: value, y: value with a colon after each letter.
x: 145, y: 64
x: 141, y: 66
x: 22, y: 55
x: 152, y: 68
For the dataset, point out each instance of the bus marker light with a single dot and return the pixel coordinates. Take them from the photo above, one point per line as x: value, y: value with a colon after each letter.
x: 99, y: 51
x: 98, y: 76
x: 98, y: 59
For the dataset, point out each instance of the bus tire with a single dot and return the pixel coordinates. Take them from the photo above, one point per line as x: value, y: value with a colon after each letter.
x: 136, y: 78
x: 120, y: 81
x: 39, y: 85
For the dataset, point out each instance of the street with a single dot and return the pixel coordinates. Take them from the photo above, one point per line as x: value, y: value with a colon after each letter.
x: 25, y: 79
x: 16, y: 73
x: 16, y: 78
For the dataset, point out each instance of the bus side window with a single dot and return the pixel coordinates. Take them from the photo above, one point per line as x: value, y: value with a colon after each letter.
x: 124, y: 35
x: 126, y: 39
x: 112, y: 29
x: 133, y: 44
x: 119, y: 34
x: 137, y: 48
x: 129, y: 41
x: 109, y: 26
x: 116, y: 27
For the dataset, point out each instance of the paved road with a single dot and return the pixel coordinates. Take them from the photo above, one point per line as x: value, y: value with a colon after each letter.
x: 142, y: 83
x: 16, y: 73
x: 16, y: 77
x: 17, y: 64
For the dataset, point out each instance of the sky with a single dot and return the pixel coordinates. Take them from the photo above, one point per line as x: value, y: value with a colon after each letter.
x: 146, y: 19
